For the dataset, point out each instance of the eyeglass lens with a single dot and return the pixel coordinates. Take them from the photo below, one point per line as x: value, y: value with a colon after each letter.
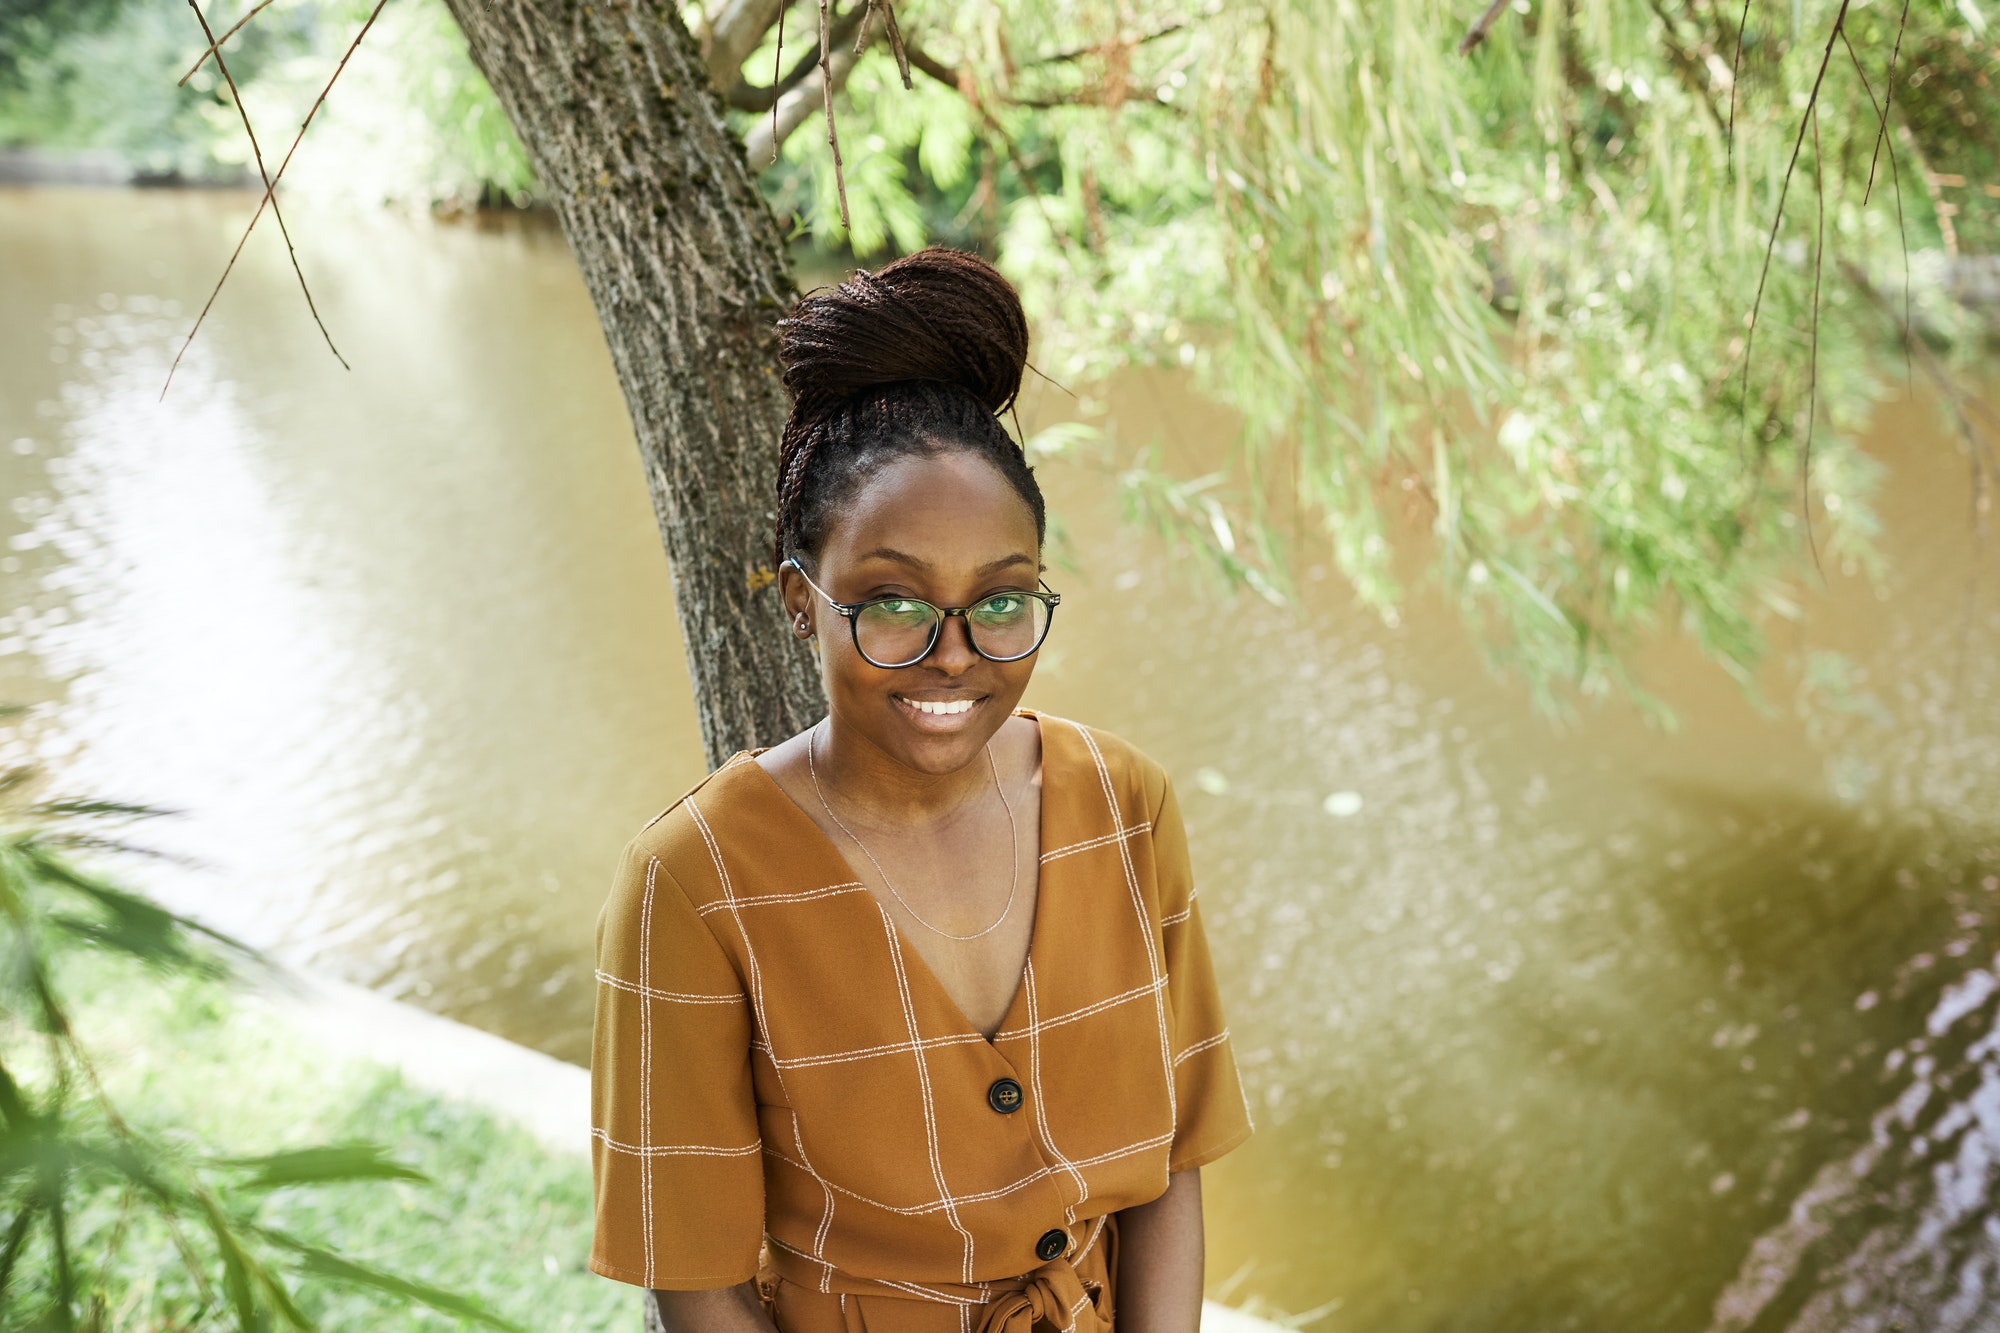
x: 899, y: 631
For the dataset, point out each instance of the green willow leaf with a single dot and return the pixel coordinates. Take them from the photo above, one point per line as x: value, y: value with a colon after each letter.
x: 328, y: 1164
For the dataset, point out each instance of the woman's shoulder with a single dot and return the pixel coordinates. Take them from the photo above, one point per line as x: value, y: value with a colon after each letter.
x: 685, y: 839
x: 1077, y: 749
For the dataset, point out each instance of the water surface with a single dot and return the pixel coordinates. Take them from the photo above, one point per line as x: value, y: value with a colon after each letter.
x: 1589, y: 1026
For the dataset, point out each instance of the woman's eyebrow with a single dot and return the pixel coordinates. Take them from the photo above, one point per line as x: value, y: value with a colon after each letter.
x: 914, y: 562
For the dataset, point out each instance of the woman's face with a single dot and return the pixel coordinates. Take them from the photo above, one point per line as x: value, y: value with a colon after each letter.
x: 947, y: 528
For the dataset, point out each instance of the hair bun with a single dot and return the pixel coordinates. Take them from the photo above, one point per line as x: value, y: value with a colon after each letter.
x: 940, y: 315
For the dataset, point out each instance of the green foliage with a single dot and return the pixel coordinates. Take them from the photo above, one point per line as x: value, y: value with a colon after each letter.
x: 81, y: 1186
x: 411, y: 118
x: 103, y: 75
x: 1502, y: 298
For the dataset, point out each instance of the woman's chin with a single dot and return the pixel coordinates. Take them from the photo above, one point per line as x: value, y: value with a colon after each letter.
x: 939, y: 743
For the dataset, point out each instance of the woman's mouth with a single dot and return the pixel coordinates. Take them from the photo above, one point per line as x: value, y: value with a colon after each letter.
x: 941, y: 709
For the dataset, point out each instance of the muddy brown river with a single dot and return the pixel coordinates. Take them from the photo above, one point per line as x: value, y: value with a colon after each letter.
x: 1548, y: 1025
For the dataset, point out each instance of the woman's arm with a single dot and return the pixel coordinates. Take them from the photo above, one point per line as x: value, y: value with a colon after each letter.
x: 1159, y: 1260
x: 724, y: 1310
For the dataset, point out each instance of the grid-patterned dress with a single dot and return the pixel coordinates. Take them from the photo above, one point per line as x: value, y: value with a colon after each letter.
x: 780, y: 1083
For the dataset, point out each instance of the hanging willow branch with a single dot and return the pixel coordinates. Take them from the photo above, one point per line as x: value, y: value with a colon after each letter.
x: 270, y: 197
x: 216, y: 45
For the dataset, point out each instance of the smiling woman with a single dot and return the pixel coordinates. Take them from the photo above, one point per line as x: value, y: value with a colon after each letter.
x: 908, y: 1023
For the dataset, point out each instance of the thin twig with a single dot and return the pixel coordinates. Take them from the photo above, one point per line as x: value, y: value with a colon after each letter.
x: 1482, y: 25
x: 1888, y: 96
x: 257, y: 151
x: 826, y: 88
x: 777, y: 64
x: 951, y: 78
x: 1736, y: 78
x: 1896, y: 178
x: 861, y: 37
x: 1812, y: 373
x: 1784, y: 191
x: 1137, y: 39
x: 897, y: 48
x: 270, y: 192
x: 216, y: 45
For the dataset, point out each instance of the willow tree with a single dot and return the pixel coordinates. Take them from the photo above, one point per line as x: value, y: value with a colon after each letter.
x: 1593, y: 294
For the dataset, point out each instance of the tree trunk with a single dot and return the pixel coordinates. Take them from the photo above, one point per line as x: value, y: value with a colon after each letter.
x: 685, y: 265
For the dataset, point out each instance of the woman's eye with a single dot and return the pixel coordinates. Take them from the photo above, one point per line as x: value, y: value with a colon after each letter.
x: 901, y: 606
x: 1002, y: 606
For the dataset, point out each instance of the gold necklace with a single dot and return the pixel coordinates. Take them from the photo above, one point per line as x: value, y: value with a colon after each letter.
x: 1013, y: 845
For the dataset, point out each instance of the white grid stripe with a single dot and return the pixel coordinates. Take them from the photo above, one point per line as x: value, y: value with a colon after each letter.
x: 654, y: 993
x: 646, y: 1061
x: 1041, y: 1105
x: 1139, y: 909
x: 1103, y: 840
x: 1035, y: 1029
x: 674, y: 1149
x: 875, y: 1052
x: 1031, y: 1031
x: 1201, y: 1046
x: 757, y: 1012
x: 924, y: 1084
x: 985, y: 1196
x: 780, y: 899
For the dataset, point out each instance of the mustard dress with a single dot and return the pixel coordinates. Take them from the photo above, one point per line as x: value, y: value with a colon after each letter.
x: 782, y: 1090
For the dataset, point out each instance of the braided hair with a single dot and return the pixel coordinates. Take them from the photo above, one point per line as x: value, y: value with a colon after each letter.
x: 916, y: 359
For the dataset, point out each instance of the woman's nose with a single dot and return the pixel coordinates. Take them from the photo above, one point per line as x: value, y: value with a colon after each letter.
x: 953, y: 651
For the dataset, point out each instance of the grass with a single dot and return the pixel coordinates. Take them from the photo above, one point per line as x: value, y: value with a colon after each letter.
x: 501, y: 1218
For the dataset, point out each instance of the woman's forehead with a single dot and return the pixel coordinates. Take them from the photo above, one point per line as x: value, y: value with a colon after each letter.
x: 950, y: 512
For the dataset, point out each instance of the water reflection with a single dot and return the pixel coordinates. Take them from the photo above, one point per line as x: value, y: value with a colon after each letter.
x: 1588, y: 1027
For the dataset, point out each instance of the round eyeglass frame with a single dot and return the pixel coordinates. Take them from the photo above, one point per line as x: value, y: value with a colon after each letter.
x: 851, y: 612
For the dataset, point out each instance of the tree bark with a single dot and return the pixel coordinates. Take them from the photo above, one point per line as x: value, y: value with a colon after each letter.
x: 684, y: 262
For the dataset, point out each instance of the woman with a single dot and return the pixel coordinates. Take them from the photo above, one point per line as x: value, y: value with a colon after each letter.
x: 908, y: 1024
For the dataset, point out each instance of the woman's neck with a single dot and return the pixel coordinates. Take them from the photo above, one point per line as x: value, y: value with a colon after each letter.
x: 884, y: 792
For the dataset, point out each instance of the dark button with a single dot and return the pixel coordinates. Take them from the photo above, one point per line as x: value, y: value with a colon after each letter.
x: 1051, y: 1244
x: 1004, y: 1096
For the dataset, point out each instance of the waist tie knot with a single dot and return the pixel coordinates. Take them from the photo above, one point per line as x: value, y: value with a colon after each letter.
x: 1071, y: 1294
x: 1054, y: 1295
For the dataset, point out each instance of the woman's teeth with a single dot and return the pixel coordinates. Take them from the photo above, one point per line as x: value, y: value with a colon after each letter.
x: 941, y: 709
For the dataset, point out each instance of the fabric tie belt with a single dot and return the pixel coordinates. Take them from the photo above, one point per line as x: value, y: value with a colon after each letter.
x: 1054, y: 1295
x: 1072, y: 1294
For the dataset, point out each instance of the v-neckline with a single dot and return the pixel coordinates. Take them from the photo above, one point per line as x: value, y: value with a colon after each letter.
x: 913, y: 957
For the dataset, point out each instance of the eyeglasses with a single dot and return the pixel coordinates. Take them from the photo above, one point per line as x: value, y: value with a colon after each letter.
x: 893, y: 632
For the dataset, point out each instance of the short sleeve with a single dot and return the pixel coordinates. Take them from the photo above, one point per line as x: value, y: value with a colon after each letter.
x: 676, y: 1160
x: 1211, y: 1114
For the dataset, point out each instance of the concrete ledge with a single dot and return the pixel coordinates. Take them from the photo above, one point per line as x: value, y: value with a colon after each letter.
x: 544, y: 1095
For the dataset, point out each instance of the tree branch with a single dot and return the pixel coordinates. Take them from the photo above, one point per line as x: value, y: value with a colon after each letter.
x: 747, y: 96
x: 1137, y: 39
x: 795, y: 108
x: 826, y: 92
x: 934, y: 67
x: 734, y: 34
x: 1481, y: 26
x: 270, y: 189
x: 270, y: 196
x: 216, y: 45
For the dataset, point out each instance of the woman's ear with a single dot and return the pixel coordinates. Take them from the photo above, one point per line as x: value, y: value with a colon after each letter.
x: 797, y: 595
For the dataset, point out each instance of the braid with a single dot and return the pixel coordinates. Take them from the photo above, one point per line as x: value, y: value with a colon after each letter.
x: 916, y: 359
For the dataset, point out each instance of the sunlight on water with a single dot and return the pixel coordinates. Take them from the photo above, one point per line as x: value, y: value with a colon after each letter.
x: 1582, y: 1026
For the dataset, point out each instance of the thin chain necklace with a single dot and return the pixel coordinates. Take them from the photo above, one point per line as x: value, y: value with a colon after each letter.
x: 1013, y: 846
